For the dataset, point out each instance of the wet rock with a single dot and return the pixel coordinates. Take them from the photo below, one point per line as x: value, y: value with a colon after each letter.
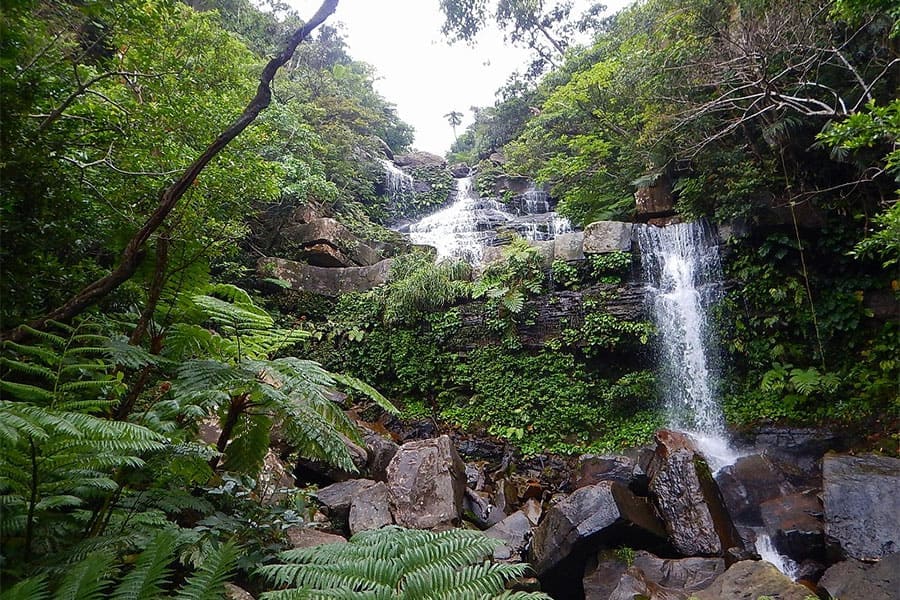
x: 607, y: 236
x: 751, y: 579
x: 686, y: 574
x: 862, y: 504
x: 607, y: 510
x: 635, y: 584
x: 325, y: 281
x: 306, y: 537
x: 749, y: 482
x: 370, y: 509
x: 379, y: 453
x: 798, y: 451
x: 593, y: 469
x: 337, y: 498
x: 856, y: 580
x: 688, y: 499
x: 426, y: 480
x: 795, y: 525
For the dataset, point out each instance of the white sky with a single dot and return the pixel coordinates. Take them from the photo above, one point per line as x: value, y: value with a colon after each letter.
x: 417, y: 69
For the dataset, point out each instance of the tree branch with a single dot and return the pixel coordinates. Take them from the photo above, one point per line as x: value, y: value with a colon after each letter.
x: 170, y: 196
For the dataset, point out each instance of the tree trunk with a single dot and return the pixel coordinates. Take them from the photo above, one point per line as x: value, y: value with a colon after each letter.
x: 169, y: 197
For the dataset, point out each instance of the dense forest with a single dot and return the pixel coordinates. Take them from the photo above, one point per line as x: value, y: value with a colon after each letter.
x: 162, y: 379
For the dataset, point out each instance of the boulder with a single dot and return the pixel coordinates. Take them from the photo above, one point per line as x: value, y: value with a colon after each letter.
x: 419, y: 159
x: 593, y: 469
x: 798, y: 451
x: 370, y: 509
x: 686, y: 574
x: 478, y: 508
x: 634, y: 583
x: 569, y: 247
x: 515, y: 532
x: 459, y: 170
x: 324, y: 281
x: 323, y: 473
x: 687, y: 498
x: 795, y: 525
x: 750, y: 481
x: 426, y: 480
x: 607, y: 236
x: 602, y: 573
x: 380, y: 451
x: 855, y: 580
x: 604, y: 512
x: 337, y: 498
x: 326, y: 242
x: 862, y: 504
x: 655, y: 200
x: 306, y: 537
x: 750, y: 580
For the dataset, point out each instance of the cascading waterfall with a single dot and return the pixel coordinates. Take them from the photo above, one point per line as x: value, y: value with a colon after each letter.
x: 469, y: 223
x: 684, y: 278
x: 767, y: 552
x: 398, y: 183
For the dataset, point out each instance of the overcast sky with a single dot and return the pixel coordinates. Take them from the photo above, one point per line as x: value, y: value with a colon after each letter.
x: 417, y: 70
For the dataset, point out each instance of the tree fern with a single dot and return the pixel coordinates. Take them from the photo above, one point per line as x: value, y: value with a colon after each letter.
x: 394, y: 563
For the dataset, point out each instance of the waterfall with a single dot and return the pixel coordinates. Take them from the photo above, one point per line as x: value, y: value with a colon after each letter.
x: 469, y: 223
x: 767, y: 552
x: 684, y: 278
x: 398, y: 183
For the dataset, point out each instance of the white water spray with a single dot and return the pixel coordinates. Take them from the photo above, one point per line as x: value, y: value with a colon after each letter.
x: 684, y: 278
x: 767, y: 552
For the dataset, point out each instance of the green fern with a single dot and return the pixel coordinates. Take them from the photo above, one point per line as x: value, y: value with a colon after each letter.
x: 394, y: 563
x: 151, y: 571
x: 208, y: 583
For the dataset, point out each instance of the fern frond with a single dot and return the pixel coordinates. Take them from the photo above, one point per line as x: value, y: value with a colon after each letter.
x: 151, y: 571
x: 471, y: 581
x: 87, y: 580
x: 121, y: 352
x: 26, y: 392
x: 208, y: 582
x: 34, y: 588
x: 47, y: 355
x: 28, y: 368
x: 355, y: 384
